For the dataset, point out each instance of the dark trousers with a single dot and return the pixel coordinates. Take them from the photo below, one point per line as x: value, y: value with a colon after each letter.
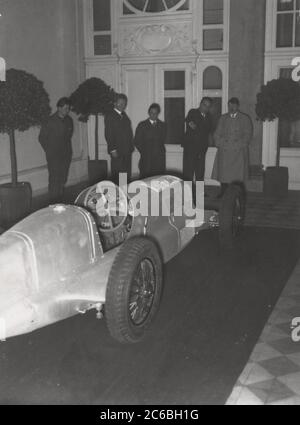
x: 58, y: 168
x: 152, y: 165
x: 194, y: 165
x: 122, y: 164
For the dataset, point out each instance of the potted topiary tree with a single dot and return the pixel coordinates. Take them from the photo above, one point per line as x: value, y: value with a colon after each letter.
x: 93, y: 98
x: 279, y: 99
x: 24, y: 103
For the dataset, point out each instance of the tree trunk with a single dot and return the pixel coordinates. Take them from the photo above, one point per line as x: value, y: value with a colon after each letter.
x: 96, y: 137
x: 278, y: 152
x: 13, y: 159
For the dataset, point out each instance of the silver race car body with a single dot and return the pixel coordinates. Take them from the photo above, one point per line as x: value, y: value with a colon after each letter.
x: 56, y: 263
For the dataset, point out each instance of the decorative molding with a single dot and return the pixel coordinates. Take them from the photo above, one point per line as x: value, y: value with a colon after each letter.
x: 157, y: 39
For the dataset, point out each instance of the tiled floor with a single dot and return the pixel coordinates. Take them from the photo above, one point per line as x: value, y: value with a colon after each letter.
x: 261, y: 211
x: 272, y: 375
x: 279, y: 213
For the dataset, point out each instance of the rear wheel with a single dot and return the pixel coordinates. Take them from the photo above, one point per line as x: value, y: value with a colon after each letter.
x: 231, y: 216
x: 134, y: 290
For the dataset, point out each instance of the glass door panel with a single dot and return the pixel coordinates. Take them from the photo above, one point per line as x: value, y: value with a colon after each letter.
x: 175, y: 94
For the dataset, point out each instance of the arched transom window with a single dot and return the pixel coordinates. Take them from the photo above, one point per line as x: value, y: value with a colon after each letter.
x: 213, y: 88
x: 153, y: 6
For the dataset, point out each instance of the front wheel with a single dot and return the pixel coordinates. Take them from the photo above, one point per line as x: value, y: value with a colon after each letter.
x: 134, y: 290
x: 231, y: 216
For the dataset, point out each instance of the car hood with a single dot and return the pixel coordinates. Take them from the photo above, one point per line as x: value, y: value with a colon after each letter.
x: 15, y: 270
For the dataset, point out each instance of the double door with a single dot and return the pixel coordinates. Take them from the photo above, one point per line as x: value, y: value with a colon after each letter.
x: 170, y: 85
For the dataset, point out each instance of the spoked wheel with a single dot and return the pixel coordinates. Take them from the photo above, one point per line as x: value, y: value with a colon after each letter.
x: 134, y: 290
x: 142, y: 293
x: 231, y: 216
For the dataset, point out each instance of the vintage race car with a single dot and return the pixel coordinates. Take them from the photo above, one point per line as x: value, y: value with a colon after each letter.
x: 69, y: 259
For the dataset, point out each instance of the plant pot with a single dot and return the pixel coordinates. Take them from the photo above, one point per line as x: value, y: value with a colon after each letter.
x: 276, y: 182
x: 97, y: 171
x: 15, y: 203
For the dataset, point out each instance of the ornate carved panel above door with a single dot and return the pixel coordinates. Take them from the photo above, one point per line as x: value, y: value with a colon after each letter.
x: 157, y: 39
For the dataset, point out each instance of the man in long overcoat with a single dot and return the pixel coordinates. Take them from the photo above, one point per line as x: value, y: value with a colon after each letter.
x: 150, y: 139
x: 232, y: 137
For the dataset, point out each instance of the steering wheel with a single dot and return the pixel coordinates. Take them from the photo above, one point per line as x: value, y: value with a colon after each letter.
x: 109, y: 203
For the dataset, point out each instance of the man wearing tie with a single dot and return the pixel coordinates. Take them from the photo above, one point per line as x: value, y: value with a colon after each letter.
x: 119, y: 137
x: 150, y: 141
x: 198, y: 133
x: 232, y: 138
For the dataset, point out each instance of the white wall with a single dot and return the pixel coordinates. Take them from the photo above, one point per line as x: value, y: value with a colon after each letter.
x: 43, y: 38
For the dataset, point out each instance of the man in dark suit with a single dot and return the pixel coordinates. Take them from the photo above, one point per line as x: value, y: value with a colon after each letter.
x: 119, y: 137
x: 150, y: 141
x: 56, y: 140
x: 198, y: 133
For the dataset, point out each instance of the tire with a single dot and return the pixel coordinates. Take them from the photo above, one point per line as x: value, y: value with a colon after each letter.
x: 231, y: 216
x: 125, y: 291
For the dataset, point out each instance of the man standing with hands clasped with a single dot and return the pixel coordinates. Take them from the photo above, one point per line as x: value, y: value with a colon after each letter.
x: 56, y: 140
x: 150, y: 139
x: 119, y: 137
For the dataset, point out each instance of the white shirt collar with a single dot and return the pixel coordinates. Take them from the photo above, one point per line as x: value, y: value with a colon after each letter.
x: 234, y: 115
x: 153, y: 122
